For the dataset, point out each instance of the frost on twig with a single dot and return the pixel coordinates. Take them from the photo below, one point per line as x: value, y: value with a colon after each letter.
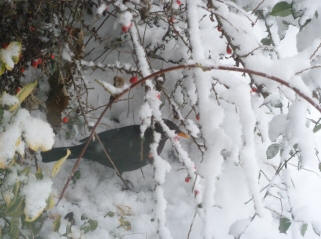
x: 209, y: 120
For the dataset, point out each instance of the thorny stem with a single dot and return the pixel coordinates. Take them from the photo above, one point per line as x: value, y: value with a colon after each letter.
x: 174, y: 68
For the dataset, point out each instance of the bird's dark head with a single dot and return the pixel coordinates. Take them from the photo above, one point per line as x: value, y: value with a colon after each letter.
x: 172, y: 126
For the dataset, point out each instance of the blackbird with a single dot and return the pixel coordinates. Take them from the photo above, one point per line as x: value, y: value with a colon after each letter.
x: 124, y: 145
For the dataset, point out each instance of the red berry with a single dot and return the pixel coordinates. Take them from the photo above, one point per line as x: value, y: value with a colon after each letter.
x: 18, y: 90
x: 126, y: 28
x: 187, y: 179
x: 158, y: 96
x: 219, y: 28
x: 178, y: 2
x: 196, y: 192
x: 5, y: 45
x: 34, y: 64
x: 52, y: 56
x: 65, y: 120
x: 39, y: 61
x: 228, y: 50
x: 197, y: 116
x: 253, y: 90
x: 133, y: 79
x: 22, y: 69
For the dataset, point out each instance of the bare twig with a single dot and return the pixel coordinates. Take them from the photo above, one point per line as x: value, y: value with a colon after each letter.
x: 315, y: 52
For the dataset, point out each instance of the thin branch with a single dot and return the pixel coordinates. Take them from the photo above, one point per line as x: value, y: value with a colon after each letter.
x: 316, y: 50
x: 174, y: 68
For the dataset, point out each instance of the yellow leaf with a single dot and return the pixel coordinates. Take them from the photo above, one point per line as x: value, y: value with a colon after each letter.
x: 7, y: 198
x: 2, y: 68
x: 31, y: 219
x: 18, y: 141
x: 3, y: 165
x: 50, y: 202
x: 23, y: 94
x: 56, y: 168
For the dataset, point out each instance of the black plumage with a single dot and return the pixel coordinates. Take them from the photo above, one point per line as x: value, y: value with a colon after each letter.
x: 124, y: 145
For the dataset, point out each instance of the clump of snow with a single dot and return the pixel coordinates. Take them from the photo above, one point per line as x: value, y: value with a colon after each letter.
x: 8, y: 143
x: 38, y: 134
x: 277, y: 126
x: 192, y: 128
x: 161, y: 166
x: 7, y: 99
x: 67, y: 54
x: 101, y: 8
x: 112, y: 89
x: 36, y: 192
x: 239, y: 227
x: 125, y: 18
x: 10, y: 54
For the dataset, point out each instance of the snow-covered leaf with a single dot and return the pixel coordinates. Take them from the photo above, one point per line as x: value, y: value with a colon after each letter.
x: 277, y: 126
x: 284, y: 225
x: 303, y: 229
x: 38, y: 134
x: 238, y: 227
x: 10, y: 55
x: 281, y: 9
x: 36, y: 194
x: 89, y: 226
x: 266, y: 41
x: 316, y: 128
x: 272, y: 151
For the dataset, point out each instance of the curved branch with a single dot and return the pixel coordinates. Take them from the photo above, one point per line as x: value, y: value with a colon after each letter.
x: 174, y: 68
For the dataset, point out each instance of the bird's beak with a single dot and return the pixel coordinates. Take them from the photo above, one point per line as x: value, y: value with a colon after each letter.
x: 183, y: 135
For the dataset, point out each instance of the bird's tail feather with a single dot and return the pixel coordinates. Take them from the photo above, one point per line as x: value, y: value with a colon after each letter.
x: 57, y: 153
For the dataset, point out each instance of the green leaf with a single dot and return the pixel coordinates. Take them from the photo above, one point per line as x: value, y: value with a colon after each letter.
x: 14, y: 228
x: 57, y: 223
x: 110, y: 214
x: 281, y: 9
x: 284, y: 225
x: 316, y: 128
x: 89, y: 226
x: 15, y: 208
x: 266, y: 41
x: 272, y: 151
x: 1, y: 114
x: 303, y: 229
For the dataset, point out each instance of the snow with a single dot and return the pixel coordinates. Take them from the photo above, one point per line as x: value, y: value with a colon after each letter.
x: 36, y: 194
x: 9, y: 100
x: 8, y: 141
x: 192, y: 128
x: 112, y: 89
x: 101, y: 8
x: 38, y: 134
x: 125, y: 18
x: 8, y: 54
x: 234, y: 191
